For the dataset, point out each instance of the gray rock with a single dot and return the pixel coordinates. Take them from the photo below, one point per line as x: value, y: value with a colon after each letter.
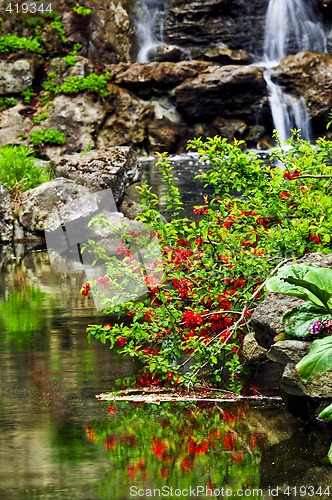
x: 113, y: 168
x: 6, y: 216
x: 319, y: 386
x: 13, y: 126
x: 251, y: 350
x: 288, y: 351
x: 15, y: 76
x: 77, y: 117
x: 230, y: 91
x: 267, y: 317
x: 42, y: 206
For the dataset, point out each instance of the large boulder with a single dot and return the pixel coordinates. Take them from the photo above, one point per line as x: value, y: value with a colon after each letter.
x: 267, y: 325
x: 230, y: 91
x: 145, y: 77
x: 6, y: 216
x: 125, y: 123
x: 113, y: 168
x: 77, y: 117
x: 40, y: 206
x: 105, y: 34
x: 308, y: 75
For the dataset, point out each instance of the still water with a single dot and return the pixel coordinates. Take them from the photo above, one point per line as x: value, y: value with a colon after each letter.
x: 58, y: 442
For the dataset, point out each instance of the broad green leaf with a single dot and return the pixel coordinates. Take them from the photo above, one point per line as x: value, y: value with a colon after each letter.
x: 314, y: 293
x: 279, y: 285
x: 299, y: 320
x: 326, y: 413
x: 303, y: 281
x: 318, y: 359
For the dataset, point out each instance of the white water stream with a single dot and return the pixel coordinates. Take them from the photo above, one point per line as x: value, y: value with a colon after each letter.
x: 291, y: 26
x: 150, y: 18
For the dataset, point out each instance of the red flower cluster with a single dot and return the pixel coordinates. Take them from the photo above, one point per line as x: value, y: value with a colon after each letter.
x: 146, y: 378
x: 288, y: 175
x: 184, y: 287
x: 192, y: 319
x: 284, y: 195
x: 315, y: 238
x: 85, y: 289
x: 197, y: 449
x: 200, y: 210
x: 158, y: 448
x: 121, y: 341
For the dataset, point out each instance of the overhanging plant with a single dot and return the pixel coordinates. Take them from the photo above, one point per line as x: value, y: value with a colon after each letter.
x: 312, y: 317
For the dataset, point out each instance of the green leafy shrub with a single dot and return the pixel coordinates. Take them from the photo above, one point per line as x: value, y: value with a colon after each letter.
x: 7, y: 102
x: 71, y: 59
x: 76, y: 84
x: 47, y: 136
x: 27, y: 95
x: 82, y: 11
x: 13, y: 43
x: 43, y: 115
x: 212, y: 271
x: 18, y: 169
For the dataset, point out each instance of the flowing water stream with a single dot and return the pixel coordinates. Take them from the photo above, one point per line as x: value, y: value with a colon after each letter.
x: 150, y: 18
x: 291, y: 26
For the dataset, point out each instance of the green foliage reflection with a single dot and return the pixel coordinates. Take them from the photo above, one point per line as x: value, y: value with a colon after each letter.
x: 22, y: 314
x: 179, y: 445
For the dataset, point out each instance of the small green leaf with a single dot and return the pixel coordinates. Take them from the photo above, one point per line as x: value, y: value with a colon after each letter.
x: 326, y: 413
x: 318, y: 359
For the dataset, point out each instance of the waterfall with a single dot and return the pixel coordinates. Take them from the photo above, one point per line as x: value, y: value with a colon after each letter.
x: 150, y: 18
x: 291, y: 26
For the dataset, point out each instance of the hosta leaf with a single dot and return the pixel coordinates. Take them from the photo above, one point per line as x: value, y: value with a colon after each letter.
x: 326, y: 413
x: 305, y: 282
x: 300, y: 320
x: 318, y: 359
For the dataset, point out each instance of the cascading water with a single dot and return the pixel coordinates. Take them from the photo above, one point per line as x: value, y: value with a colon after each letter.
x: 150, y: 18
x: 291, y: 26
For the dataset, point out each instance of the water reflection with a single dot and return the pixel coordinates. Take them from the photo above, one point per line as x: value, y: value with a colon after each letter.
x: 58, y: 442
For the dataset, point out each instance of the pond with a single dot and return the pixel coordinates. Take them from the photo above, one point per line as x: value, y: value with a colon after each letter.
x: 57, y: 441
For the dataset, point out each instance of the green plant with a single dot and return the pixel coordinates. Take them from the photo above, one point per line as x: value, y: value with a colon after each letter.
x: 13, y: 43
x: 76, y: 84
x: 310, y: 319
x: 58, y: 26
x: 43, y: 115
x: 70, y: 59
x: 211, y: 272
x: 47, y: 136
x: 18, y: 169
x: 27, y: 95
x: 7, y: 102
x: 314, y: 286
x: 82, y: 11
